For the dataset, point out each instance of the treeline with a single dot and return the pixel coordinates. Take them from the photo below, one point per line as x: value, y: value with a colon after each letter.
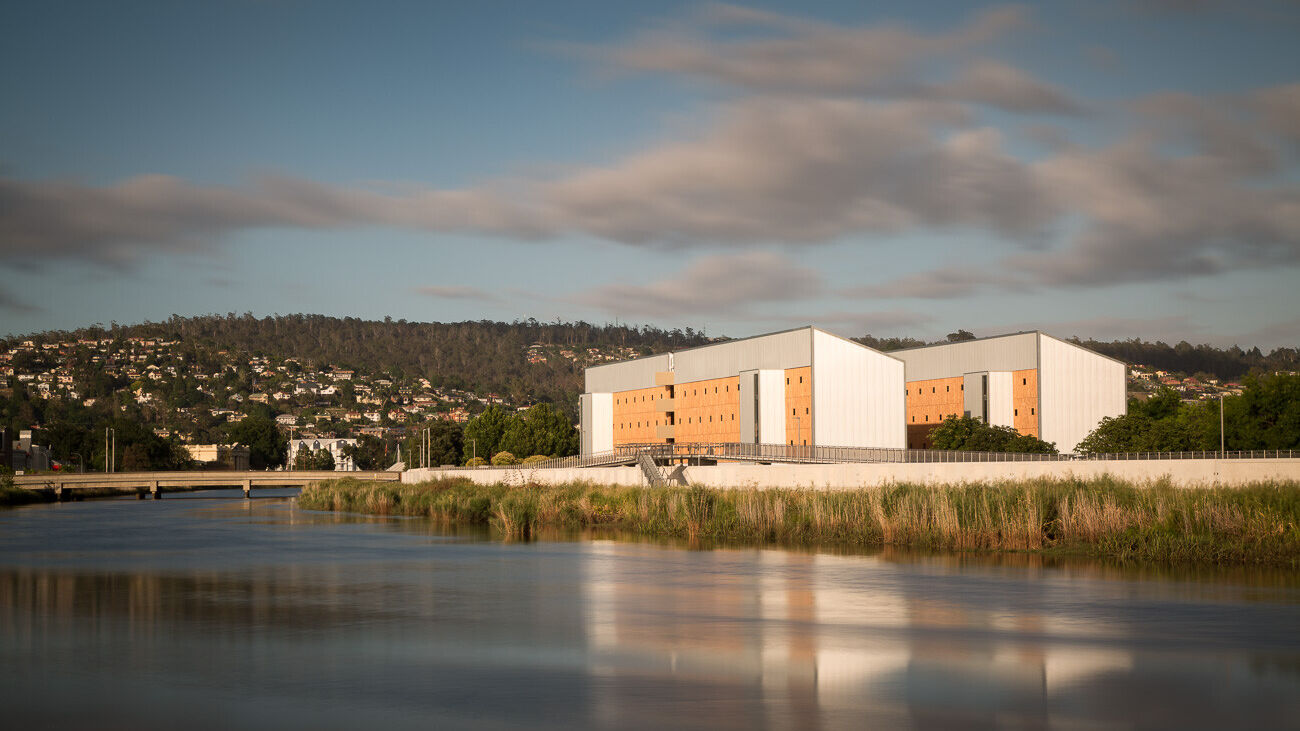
x: 1229, y: 364
x: 483, y: 356
x: 1265, y: 416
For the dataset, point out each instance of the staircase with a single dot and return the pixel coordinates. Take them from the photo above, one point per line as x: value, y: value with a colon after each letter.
x: 651, y: 470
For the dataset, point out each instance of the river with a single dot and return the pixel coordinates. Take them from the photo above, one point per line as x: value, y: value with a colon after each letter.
x: 204, y: 610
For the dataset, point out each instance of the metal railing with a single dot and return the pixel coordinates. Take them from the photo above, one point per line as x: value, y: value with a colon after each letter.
x: 633, y: 454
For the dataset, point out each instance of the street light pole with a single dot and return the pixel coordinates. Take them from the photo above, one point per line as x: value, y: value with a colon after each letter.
x: 1221, y: 438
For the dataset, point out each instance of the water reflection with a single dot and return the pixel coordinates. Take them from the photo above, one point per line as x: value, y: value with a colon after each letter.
x: 266, y: 616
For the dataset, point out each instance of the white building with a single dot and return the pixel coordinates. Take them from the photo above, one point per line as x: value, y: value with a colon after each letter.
x: 1031, y: 381
x: 799, y: 387
x: 342, y: 462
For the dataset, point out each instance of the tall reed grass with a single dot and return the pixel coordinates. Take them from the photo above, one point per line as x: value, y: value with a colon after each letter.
x: 1252, y: 524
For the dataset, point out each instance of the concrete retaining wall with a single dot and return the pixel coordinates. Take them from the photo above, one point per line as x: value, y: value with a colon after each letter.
x: 1181, y: 473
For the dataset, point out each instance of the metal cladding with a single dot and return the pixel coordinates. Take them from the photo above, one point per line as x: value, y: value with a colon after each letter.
x: 808, y: 387
x: 1066, y: 389
x: 798, y: 387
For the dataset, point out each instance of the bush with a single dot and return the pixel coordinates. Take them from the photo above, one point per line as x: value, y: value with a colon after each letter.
x: 475, y: 462
x: 501, y: 459
x: 965, y: 433
x: 535, y: 459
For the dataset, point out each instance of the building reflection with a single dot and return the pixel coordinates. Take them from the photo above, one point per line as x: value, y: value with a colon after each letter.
x: 823, y: 645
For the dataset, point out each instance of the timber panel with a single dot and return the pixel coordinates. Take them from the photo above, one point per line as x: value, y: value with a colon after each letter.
x: 708, y: 411
x: 931, y: 401
x: 636, y: 415
x: 798, y: 405
x: 1024, y: 401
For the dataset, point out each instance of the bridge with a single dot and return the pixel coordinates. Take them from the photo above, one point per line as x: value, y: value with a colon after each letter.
x: 153, y: 483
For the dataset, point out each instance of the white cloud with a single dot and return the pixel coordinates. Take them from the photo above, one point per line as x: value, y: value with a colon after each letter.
x: 709, y: 286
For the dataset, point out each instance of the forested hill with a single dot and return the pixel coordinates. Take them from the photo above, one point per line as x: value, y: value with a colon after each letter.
x: 484, y: 356
x: 500, y: 357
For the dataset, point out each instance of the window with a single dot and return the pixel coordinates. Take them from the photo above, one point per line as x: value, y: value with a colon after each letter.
x: 963, y: 387
x: 932, y: 389
x: 710, y: 418
x: 946, y: 389
x: 733, y: 417
x: 801, y: 379
x: 1031, y: 412
x: 715, y: 389
x: 1015, y: 412
x: 927, y: 417
x: 787, y: 381
x: 794, y: 412
x: 913, y: 419
x: 729, y: 389
x: 805, y: 409
x: 1024, y: 381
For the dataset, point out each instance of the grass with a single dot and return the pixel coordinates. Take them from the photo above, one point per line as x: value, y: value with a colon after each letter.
x: 1251, y: 524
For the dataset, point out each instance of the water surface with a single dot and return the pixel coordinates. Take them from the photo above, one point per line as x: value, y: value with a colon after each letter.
x: 204, y: 610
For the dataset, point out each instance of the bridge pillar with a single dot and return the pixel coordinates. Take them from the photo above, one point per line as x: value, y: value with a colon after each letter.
x: 59, y: 493
x: 153, y: 490
x: 248, y: 489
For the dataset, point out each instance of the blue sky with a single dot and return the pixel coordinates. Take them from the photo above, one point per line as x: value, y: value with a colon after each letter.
x: 1107, y: 170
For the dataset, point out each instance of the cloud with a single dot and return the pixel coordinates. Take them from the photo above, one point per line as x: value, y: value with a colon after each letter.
x: 771, y: 169
x: 784, y: 54
x: 710, y: 285
x: 455, y: 292
x: 11, y: 303
x: 857, y: 321
x: 998, y: 85
x: 940, y: 283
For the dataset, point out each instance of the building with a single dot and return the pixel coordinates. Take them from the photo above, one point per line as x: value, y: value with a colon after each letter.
x: 342, y: 462
x: 1038, y: 384
x: 219, y: 456
x: 803, y: 386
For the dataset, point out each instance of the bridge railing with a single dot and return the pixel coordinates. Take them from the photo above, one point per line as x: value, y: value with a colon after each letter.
x: 630, y: 454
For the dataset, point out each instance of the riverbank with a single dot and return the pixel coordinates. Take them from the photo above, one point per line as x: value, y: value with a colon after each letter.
x: 1104, y: 518
x: 11, y: 497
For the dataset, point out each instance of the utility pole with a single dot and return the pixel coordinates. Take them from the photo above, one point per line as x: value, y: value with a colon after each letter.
x: 1221, y: 437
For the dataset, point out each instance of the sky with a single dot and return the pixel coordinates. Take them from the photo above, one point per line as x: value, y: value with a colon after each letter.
x: 1094, y: 169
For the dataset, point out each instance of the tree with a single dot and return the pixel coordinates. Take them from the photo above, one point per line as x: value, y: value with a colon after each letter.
x: 541, y: 430
x: 322, y: 460
x: 965, y: 433
x: 1266, y: 415
x: 960, y: 336
x: 487, y: 429
x: 368, y: 453
x: 267, y: 446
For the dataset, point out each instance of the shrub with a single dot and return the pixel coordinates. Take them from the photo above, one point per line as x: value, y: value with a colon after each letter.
x: 475, y: 462
x: 535, y: 459
x: 501, y: 459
